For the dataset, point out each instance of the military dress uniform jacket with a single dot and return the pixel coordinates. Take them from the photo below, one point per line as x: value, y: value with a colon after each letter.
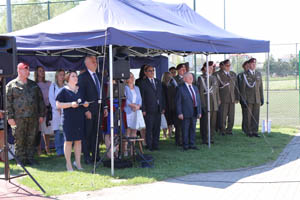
x: 252, y: 88
x: 213, y: 90
x: 24, y: 100
x: 179, y: 80
x: 227, y: 86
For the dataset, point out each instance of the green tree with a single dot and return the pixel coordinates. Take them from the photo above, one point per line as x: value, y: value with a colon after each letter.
x: 24, y: 16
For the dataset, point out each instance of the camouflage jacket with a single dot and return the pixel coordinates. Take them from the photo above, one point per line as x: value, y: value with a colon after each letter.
x: 24, y: 100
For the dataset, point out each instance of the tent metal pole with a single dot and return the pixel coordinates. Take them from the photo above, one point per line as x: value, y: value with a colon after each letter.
x: 8, y: 16
x: 268, y: 76
x: 111, y: 109
x: 208, y: 101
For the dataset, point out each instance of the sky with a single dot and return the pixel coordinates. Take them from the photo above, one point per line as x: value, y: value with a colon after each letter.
x: 276, y: 21
x: 273, y: 20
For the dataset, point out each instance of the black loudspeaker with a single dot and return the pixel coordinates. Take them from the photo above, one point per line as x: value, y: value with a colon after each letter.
x: 121, y: 67
x: 8, y: 56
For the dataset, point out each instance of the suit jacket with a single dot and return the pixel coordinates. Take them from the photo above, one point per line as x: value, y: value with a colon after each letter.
x: 184, y: 101
x: 227, y: 87
x: 252, y: 88
x: 88, y: 90
x: 152, y: 97
x: 129, y: 98
x: 214, y: 95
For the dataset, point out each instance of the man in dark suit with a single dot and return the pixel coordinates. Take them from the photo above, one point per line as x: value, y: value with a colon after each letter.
x: 153, y: 105
x: 188, y: 110
x: 90, y: 85
x: 181, y: 70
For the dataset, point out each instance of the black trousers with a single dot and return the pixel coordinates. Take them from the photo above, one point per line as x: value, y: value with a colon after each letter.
x: 152, y: 121
x: 89, y: 140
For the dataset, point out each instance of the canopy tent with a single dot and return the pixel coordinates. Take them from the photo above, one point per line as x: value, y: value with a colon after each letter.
x: 151, y: 26
x: 134, y: 23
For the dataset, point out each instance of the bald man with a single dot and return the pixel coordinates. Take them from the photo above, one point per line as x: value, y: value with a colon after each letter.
x: 188, y: 110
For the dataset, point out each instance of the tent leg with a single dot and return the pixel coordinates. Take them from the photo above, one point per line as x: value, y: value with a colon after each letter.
x: 208, y: 101
x: 268, y: 76
x: 111, y: 109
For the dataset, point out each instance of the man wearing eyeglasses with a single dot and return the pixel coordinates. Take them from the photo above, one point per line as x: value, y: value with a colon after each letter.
x: 228, y: 95
x: 26, y: 109
x: 153, y: 106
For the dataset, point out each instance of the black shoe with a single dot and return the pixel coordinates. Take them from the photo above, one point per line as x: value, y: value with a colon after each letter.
x: 223, y: 134
x: 185, y: 148
x: 256, y: 135
x: 194, y: 148
x: 229, y: 133
x: 212, y: 142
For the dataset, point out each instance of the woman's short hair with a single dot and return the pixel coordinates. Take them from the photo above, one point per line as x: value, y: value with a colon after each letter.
x: 68, y: 74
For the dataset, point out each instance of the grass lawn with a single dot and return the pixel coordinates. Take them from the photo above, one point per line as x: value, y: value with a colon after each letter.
x: 229, y: 152
x: 283, y: 109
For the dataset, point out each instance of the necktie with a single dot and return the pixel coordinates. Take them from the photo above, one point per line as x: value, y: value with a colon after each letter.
x: 97, y: 83
x: 193, y: 96
x: 153, y: 83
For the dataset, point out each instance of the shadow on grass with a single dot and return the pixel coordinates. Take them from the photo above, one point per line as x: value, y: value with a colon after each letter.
x: 229, y: 152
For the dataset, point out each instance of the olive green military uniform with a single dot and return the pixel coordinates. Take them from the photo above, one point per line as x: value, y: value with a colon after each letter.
x: 228, y: 96
x: 213, y: 90
x: 25, y: 105
x: 243, y: 106
x: 252, y: 97
x: 178, y: 135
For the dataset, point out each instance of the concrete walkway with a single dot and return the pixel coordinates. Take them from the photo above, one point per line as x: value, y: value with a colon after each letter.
x: 277, y: 180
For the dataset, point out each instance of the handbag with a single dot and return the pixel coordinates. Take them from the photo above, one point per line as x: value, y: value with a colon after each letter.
x: 163, y: 123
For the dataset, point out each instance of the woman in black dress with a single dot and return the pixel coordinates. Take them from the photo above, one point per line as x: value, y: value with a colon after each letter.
x: 169, y: 88
x: 69, y: 100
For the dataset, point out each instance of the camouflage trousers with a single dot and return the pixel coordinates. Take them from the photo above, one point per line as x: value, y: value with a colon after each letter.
x: 25, y: 134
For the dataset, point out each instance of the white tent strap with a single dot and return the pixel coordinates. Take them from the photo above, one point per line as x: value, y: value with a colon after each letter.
x: 247, y: 83
x: 205, y: 86
x: 222, y: 83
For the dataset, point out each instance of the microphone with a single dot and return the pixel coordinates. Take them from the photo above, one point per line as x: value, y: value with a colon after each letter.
x: 78, y: 101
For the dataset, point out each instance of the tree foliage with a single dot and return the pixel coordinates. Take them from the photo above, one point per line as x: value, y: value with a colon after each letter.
x: 35, y: 12
x: 282, y: 67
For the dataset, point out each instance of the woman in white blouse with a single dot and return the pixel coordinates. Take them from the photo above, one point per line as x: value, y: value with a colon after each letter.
x: 54, y: 89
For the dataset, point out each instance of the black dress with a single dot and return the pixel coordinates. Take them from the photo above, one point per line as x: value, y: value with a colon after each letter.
x: 73, y: 118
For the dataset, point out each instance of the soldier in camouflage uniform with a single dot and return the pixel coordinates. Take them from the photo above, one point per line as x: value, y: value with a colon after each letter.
x: 213, y: 90
x: 26, y: 110
x: 252, y: 96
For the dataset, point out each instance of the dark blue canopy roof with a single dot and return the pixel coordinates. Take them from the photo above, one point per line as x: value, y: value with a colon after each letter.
x: 134, y: 23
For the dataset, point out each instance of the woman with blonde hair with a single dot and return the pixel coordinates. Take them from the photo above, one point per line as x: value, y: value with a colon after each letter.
x: 169, y: 88
x: 56, y: 124
x: 133, y: 104
x: 45, y: 127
